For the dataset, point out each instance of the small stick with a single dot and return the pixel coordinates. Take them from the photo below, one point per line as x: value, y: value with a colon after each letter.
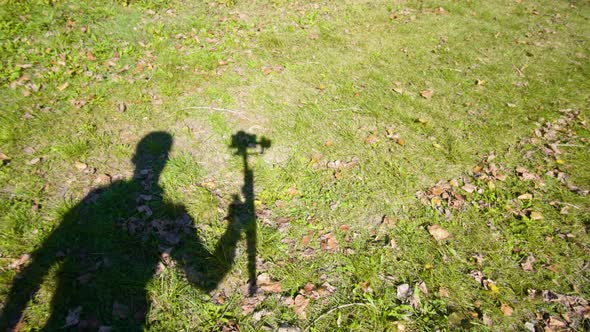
x: 216, y: 109
x: 571, y: 145
x: 354, y: 109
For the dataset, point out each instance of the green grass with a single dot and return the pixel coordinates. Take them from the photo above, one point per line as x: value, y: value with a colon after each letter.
x: 324, y: 81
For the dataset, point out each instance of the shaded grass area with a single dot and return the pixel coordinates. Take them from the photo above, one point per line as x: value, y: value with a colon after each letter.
x: 327, y: 83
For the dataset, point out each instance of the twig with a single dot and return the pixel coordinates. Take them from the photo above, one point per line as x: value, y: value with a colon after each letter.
x: 571, y: 145
x: 354, y: 109
x: 334, y: 309
x: 569, y: 204
x: 217, y: 109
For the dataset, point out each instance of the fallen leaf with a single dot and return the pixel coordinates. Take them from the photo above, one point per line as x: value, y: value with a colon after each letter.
x: 34, y: 161
x: 366, y: 287
x: 209, y: 184
x: 305, y: 240
x: 440, y: 11
x: 506, y: 309
x: 3, y: 158
x: 556, y: 323
x: 299, y: 305
x: 264, y: 282
x: 90, y: 56
x: 63, y: 86
x: 438, y: 232
x: 526, y: 196
x: 19, y: 262
x: 426, y: 94
x: 403, y: 292
x: 388, y: 221
x: 422, y: 287
x: 328, y: 242
x: 528, y: 263
x: 371, y: 139
x: 468, y: 187
x: 535, y: 215
x: 400, y: 141
x: 393, y: 244
x: 102, y: 179
x: 80, y: 165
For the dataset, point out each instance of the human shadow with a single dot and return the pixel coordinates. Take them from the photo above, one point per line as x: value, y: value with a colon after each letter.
x: 109, y: 246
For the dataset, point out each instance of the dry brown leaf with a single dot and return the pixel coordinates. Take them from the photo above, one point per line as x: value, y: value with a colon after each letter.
x: 371, y: 139
x: 388, y: 221
x: 526, y: 196
x: 400, y: 141
x: 427, y: 94
x: 90, y: 56
x: 299, y: 305
x: 19, y: 262
x: 34, y: 161
x: 438, y: 232
x: 404, y: 291
x: 506, y: 309
x: 80, y: 165
x: 393, y: 244
x: 305, y: 240
x: 102, y: 179
x: 265, y: 283
x: 250, y: 303
x: 468, y: 187
x: 63, y: 86
x: 528, y: 263
x: 328, y: 242
x: 535, y: 215
x: 422, y: 287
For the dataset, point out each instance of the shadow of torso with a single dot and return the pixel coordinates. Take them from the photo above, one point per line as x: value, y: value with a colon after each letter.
x: 105, y: 252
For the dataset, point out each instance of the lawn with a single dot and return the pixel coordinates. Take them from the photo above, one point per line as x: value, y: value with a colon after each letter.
x: 294, y: 165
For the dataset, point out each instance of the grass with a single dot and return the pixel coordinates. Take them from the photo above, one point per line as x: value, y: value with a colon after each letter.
x: 325, y: 82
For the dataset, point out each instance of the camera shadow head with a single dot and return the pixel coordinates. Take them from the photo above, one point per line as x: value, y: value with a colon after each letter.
x: 241, y: 141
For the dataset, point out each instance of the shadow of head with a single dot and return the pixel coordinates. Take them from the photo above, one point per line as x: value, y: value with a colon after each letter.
x: 152, y: 152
